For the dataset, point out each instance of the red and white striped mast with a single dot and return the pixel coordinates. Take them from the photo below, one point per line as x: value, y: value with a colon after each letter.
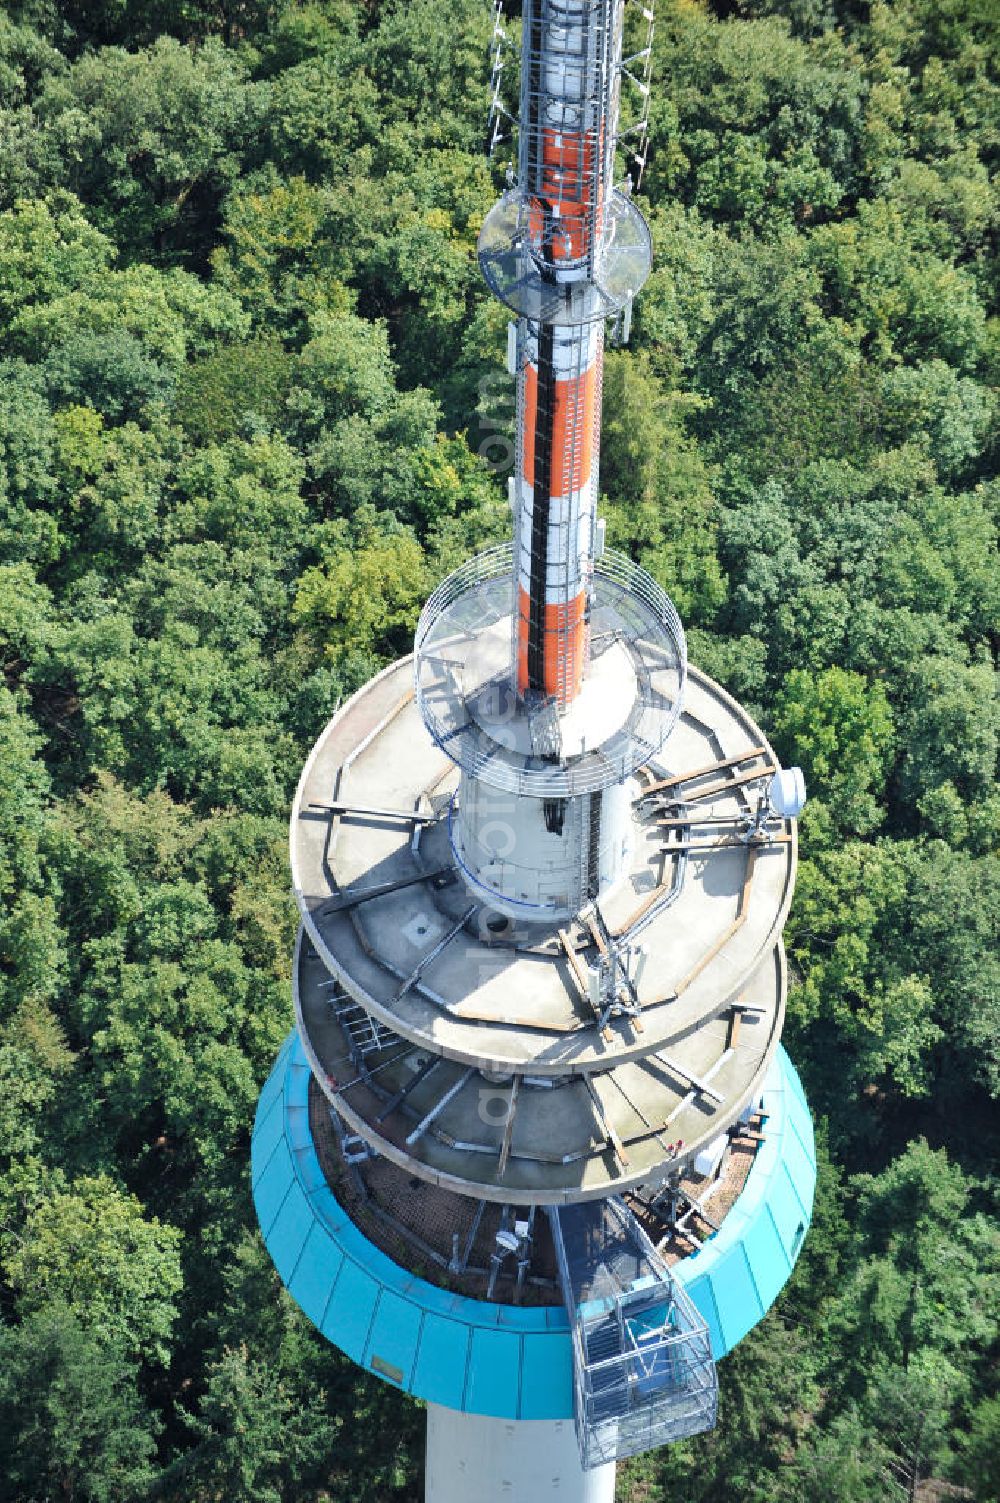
x: 564, y: 250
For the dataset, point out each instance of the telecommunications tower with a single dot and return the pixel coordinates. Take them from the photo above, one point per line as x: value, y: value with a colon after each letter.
x: 533, y: 1152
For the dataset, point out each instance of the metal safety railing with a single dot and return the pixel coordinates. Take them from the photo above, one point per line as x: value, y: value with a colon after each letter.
x: 464, y: 680
x: 643, y: 1371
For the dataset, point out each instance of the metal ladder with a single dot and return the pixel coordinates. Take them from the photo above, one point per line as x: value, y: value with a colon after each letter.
x: 570, y: 458
x: 365, y: 1034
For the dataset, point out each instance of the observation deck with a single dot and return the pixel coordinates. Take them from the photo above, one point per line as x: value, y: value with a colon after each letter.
x: 514, y: 1361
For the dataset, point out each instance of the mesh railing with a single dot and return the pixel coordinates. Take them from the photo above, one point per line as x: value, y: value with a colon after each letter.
x: 515, y: 276
x: 642, y: 1358
x: 462, y: 675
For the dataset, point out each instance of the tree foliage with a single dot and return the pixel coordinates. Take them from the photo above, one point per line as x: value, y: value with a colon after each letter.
x: 252, y: 408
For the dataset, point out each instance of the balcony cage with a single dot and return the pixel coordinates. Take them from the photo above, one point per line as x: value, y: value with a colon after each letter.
x: 462, y: 676
x: 643, y: 1370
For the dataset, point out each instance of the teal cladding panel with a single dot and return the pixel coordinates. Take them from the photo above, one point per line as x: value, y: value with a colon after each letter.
x: 786, y: 1210
x: 769, y: 1264
x: 287, y: 1236
x: 442, y: 1361
x: 276, y: 1179
x: 494, y: 1374
x: 297, y: 1128
x: 274, y: 1085
x: 271, y: 1128
x: 746, y: 1264
x: 546, y: 1375
x: 736, y: 1297
x: 801, y: 1170
x: 395, y: 1336
x: 702, y: 1293
x: 315, y: 1273
x: 349, y: 1316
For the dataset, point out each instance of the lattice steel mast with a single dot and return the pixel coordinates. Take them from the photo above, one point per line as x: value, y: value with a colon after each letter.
x: 564, y: 250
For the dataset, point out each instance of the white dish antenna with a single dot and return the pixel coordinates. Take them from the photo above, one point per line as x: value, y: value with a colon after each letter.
x: 787, y: 793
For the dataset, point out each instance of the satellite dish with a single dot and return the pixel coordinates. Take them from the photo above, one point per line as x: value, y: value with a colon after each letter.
x: 787, y: 793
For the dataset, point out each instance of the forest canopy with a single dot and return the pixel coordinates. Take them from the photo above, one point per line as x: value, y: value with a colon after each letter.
x: 252, y: 408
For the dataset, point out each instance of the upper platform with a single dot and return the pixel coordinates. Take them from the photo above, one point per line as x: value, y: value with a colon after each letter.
x: 374, y: 871
x: 532, y: 1138
x: 527, y: 285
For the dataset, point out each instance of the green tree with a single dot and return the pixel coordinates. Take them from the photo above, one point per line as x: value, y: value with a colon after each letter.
x: 840, y: 729
x: 34, y: 1060
x: 660, y: 504
x: 950, y: 730
x: 949, y: 930
x: 431, y: 67
x: 367, y: 595
x: 47, y: 245
x: 323, y: 117
x: 862, y: 991
x: 73, y: 1424
x: 767, y: 124
x: 257, y: 1439
x: 842, y: 1462
x: 947, y: 413
x: 913, y: 1410
x: 28, y: 529
x: 906, y: 1305
x: 91, y: 1249
x: 189, y: 110
x: 232, y: 389
x: 979, y: 1464
x: 285, y: 252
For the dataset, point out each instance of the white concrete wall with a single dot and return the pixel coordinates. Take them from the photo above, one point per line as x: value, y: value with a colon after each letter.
x: 503, y: 843
x: 474, y: 1459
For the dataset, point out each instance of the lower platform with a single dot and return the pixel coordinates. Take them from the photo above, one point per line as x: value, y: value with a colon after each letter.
x: 506, y: 1361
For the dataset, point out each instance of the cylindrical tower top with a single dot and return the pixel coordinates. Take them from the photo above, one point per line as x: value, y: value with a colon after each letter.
x: 563, y: 250
x: 553, y: 670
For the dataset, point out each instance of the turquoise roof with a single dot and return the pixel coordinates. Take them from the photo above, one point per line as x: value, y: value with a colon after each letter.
x: 736, y: 1277
x: 501, y: 1359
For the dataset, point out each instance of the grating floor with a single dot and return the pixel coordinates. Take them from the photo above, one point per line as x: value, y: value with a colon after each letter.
x: 414, y: 1222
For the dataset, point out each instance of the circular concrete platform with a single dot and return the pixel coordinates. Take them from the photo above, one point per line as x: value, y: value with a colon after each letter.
x: 396, y: 927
